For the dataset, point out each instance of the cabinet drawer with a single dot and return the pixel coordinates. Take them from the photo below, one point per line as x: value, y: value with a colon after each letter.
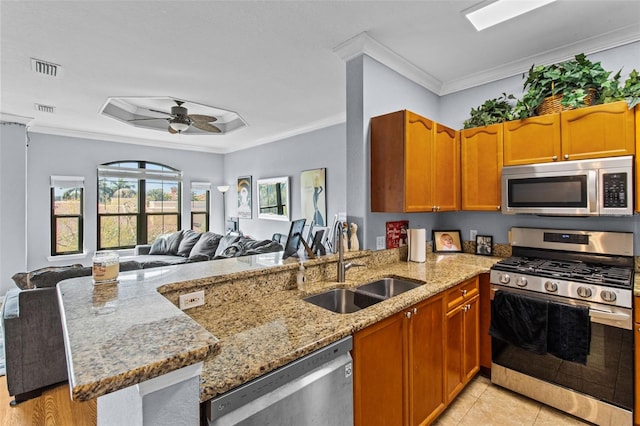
x: 462, y: 293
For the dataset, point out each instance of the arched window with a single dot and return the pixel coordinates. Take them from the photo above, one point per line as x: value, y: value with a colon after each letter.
x: 137, y: 201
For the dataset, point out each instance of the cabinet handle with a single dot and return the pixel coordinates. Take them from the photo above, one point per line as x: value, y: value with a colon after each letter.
x: 464, y: 292
x: 554, y: 158
x: 498, y: 208
x: 465, y: 308
x: 415, y: 311
x: 407, y: 314
x: 566, y: 156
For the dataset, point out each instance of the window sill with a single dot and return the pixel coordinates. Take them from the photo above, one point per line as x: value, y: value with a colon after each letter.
x: 75, y: 256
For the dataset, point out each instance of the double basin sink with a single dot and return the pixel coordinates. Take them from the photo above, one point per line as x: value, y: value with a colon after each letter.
x: 346, y: 301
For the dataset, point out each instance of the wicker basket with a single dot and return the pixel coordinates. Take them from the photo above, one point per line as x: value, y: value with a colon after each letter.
x: 552, y: 104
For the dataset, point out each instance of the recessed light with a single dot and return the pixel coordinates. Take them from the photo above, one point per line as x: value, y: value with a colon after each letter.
x: 490, y: 13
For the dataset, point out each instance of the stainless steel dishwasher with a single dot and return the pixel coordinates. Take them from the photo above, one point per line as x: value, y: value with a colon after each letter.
x: 314, y: 390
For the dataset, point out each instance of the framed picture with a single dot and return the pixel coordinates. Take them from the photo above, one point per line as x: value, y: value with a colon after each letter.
x: 244, y: 198
x: 484, y: 245
x: 273, y: 198
x: 313, y: 196
x: 447, y: 241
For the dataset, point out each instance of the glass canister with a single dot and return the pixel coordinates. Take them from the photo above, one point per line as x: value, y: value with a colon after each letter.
x: 106, y: 266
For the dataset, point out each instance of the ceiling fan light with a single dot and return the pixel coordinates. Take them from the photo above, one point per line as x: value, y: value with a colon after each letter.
x: 179, y: 125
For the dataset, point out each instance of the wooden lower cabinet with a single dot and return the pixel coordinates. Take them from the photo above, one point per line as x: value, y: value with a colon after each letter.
x: 463, y: 346
x: 398, y: 367
x: 636, y: 351
x: 410, y: 366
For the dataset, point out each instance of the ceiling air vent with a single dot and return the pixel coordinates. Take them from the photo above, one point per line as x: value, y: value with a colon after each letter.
x: 47, y: 68
x: 45, y: 108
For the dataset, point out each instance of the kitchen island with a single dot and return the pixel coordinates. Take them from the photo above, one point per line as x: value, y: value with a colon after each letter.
x: 254, y: 319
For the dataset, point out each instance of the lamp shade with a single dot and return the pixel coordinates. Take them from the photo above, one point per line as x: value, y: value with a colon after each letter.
x: 179, y: 124
x: 223, y: 188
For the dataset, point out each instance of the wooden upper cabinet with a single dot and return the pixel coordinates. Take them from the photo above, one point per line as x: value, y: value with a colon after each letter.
x: 637, y: 113
x: 414, y: 164
x: 533, y: 140
x: 482, y: 154
x: 418, y: 179
x: 446, y: 169
x: 606, y: 130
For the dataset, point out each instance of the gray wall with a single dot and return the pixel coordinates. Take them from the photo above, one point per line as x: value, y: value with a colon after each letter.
x: 324, y: 148
x: 13, y: 246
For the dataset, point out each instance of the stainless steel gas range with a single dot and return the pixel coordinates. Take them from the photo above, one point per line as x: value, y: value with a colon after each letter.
x: 562, y: 321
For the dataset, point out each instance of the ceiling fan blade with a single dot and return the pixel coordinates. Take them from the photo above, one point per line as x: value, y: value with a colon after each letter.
x: 206, y: 127
x: 159, y: 112
x: 202, y: 118
x: 150, y: 118
x: 171, y: 130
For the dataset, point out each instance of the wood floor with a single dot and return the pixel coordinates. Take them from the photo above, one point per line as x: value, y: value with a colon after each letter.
x: 53, y: 408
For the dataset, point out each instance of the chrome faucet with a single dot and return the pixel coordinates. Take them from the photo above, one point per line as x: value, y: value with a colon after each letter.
x: 342, y: 266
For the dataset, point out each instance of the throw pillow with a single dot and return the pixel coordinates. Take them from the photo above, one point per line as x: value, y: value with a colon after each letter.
x: 167, y: 244
x: 226, y: 242
x: 189, y: 239
x: 206, y: 245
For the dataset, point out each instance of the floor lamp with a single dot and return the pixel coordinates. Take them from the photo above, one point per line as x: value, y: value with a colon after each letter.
x: 223, y: 189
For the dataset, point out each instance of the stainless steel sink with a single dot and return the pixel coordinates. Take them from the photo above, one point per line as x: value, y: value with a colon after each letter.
x: 387, y: 287
x: 343, y: 301
x: 346, y: 301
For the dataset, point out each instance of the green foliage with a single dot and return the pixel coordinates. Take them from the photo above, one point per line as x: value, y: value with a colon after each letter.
x: 576, y: 80
x: 490, y: 112
x: 157, y: 194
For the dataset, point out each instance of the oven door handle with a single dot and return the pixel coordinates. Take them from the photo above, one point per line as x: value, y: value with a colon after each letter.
x: 614, y: 319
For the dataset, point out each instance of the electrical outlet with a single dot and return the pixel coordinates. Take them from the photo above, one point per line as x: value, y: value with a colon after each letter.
x: 472, y: 234
x: 380, y: 243
x: 191, y: 300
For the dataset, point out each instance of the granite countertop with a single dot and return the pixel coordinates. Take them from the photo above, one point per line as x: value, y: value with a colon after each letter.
x: 121, y: 334
x: 260, y: 334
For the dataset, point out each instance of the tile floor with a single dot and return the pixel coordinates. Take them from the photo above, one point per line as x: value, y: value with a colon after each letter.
x: 482, y: 403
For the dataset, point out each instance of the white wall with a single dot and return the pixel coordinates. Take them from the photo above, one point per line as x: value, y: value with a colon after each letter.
x: 324, y: 148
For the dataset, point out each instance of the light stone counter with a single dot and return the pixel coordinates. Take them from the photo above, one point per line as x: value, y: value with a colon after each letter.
x: 254, y: 319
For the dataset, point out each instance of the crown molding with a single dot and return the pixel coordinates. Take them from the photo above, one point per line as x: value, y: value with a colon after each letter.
x: 613, y: 39
x: 10, y: 118
x: 363, y: 43
x: 180, y: 145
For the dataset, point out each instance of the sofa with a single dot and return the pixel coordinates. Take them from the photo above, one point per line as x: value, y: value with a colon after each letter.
x: 34, y: 344
x: 189, y: 246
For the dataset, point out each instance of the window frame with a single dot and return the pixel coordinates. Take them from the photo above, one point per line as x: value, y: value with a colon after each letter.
x: 206, y: 187
x: 79, y: 185
x: 141, y: 174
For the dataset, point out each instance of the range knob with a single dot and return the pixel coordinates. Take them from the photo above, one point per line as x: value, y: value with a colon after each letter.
x: 551, y: 286
x: 521, y: 282
x: 505, y: 278
x: 608, y: 296
x: 584, y: 292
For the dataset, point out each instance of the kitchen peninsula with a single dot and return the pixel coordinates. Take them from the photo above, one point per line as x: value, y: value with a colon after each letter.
x: 254, y: 320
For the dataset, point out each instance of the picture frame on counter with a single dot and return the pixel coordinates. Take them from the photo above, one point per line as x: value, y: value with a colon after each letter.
x: 447, y: 241
x: 484, y: 245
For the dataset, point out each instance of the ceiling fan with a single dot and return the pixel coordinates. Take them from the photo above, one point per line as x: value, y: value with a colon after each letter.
x: 180, y: 120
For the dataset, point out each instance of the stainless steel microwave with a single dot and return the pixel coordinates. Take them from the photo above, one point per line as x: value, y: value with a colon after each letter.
x: 598, y: 187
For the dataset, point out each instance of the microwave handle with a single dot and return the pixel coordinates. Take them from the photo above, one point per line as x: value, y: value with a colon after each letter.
x: 592, y: 190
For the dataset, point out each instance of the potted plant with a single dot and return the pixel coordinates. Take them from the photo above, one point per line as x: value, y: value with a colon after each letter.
x: 490, y: 112
x: 566, y: 85
x: 630, y: 92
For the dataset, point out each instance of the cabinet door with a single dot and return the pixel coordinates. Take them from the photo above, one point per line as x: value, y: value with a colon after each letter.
x: 446, y: 169
x: 471, y: 351
x: 454, y: 352
x: 481, y: 167
x: 378, y: 373
x: 637, y: 113
x: 418, y: 185
x: 426, y: 361
x: 533, y: 140
x: 598, y: 131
